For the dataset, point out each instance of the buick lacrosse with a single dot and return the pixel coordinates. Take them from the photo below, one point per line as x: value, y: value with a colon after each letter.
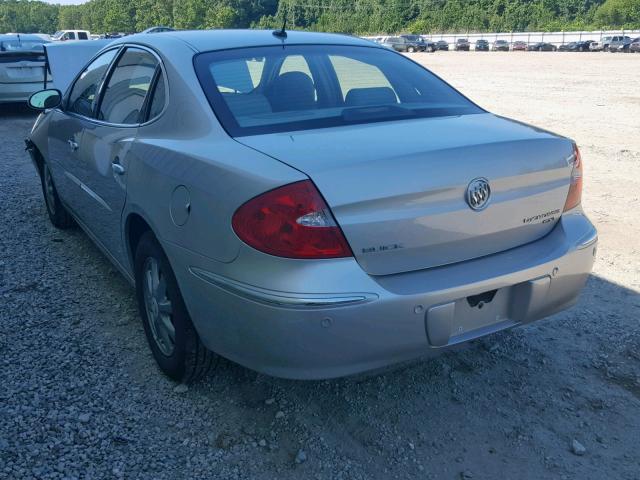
x: 307, y: 205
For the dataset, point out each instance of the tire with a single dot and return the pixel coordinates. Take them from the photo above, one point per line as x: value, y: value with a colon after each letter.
x: 58, y: 214
x: 431, y: 49
x: 183, y: 358
x: 411, y: 49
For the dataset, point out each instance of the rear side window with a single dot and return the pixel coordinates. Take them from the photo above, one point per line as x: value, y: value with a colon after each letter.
x: 318, y: 86
x: 127, y: 88
x: 82, y: 36
x: 83, y: 94
x: 159, y: 97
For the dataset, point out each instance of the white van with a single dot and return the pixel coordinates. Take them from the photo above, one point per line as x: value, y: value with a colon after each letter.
x: 64, y: 35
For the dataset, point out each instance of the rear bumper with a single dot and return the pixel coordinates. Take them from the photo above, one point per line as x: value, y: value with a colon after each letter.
x: 353, y: 322
x: 18, y: 92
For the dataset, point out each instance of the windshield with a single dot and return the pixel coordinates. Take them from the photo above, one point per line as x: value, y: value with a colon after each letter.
x: 276, y: 89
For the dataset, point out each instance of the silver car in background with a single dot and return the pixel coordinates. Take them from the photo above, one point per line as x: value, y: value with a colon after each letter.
x: 308, y: 205
x: 22, y: 66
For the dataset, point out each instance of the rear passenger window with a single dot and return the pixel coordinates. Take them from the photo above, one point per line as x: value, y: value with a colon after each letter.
x: 127, y: 88
x: 82, y: 36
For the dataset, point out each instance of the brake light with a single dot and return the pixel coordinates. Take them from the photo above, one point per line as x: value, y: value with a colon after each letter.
x: 574, y: 196
x: 291, y: 221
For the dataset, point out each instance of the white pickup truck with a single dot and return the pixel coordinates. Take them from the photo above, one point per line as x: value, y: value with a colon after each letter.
x: 64, y: 35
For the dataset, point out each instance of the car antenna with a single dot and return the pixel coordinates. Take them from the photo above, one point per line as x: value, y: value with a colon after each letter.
x: 282, y: 32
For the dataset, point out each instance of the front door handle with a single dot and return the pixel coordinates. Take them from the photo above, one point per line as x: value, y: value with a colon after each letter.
x: 117, y: 167
x: 73, y: 145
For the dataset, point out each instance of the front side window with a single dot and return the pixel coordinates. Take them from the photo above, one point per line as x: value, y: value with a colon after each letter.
x: 127, y: 87
x: 318, y: 86
x: 83, y: 94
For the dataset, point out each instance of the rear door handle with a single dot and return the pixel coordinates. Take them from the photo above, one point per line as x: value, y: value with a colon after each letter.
x: 117, y: 167
x: 72, y: 144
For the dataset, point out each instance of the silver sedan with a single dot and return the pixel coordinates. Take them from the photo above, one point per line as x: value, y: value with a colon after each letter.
x: 22, y: 66
x: 308, y: 205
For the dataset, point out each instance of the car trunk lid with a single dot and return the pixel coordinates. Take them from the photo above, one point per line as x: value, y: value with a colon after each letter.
x: 398, y: 189
x: 22, y: 67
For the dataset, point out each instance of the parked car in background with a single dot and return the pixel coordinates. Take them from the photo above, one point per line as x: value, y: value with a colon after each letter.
x: 442, y: 45
x: 500, y: 46
x: 462, y: 44
x: 634, y: 47
x: 423, y: 45
x: 320, y: 237
x: 542, y: 47
x: 158, y: 29
x: 620, y: 44
x: 22, y: 66
x: 519, y: 46
x: 401, y: 44
x: 112, y: 35
x: 482, y: 46
x: 64, y: 35
x: 603, y: 44
x: 582, y: 46
x: 566, y: 47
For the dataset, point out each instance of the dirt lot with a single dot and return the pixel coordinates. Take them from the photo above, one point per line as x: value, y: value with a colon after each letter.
x: 80, y: 396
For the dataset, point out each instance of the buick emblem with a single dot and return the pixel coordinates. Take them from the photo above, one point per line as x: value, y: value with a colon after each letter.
x: 478, y: 193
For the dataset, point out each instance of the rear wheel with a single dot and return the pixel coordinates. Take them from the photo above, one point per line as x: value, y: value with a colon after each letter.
x: 411, y: 49
x: 58, y: 214
x: 174, y: 342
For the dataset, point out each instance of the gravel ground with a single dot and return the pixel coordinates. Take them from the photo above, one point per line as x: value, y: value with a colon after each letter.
x: 80, y: 396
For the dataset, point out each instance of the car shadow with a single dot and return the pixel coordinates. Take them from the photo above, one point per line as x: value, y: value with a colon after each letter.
x: 18, y: 110
x: 508, y: 392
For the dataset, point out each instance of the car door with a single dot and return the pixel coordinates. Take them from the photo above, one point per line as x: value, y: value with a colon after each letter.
x: 66, y: 130
x: 106, y: 143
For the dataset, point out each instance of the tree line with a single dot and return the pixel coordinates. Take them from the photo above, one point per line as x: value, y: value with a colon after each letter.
x: 347, y: 16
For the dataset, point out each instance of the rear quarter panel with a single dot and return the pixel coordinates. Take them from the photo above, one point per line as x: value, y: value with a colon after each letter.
x: 186, y: 147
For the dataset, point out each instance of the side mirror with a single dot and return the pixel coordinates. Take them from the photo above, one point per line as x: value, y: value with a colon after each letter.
x: 45, y: 99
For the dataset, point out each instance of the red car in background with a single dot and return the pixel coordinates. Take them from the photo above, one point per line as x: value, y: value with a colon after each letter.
x: 519, y: 46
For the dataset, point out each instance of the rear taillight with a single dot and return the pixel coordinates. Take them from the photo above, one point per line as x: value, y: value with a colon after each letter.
x: 575, y: 189
x: 291, y: 221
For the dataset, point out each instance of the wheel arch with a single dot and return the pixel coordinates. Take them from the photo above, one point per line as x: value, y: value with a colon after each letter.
x: 36, y: 155
x: 135, y: 226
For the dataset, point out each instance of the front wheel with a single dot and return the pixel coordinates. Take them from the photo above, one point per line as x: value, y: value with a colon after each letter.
x: 411, y: 49
x: 173, y: 340
x: 58, y: 214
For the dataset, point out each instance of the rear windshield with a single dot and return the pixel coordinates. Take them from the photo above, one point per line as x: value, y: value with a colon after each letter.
x: 275, y: 89
x: 22, y: 46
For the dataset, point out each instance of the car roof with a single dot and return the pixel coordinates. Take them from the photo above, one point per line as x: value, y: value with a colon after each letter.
x: 208, y: 40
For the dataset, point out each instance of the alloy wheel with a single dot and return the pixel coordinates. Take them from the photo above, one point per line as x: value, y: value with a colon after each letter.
x: 158, y: 306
